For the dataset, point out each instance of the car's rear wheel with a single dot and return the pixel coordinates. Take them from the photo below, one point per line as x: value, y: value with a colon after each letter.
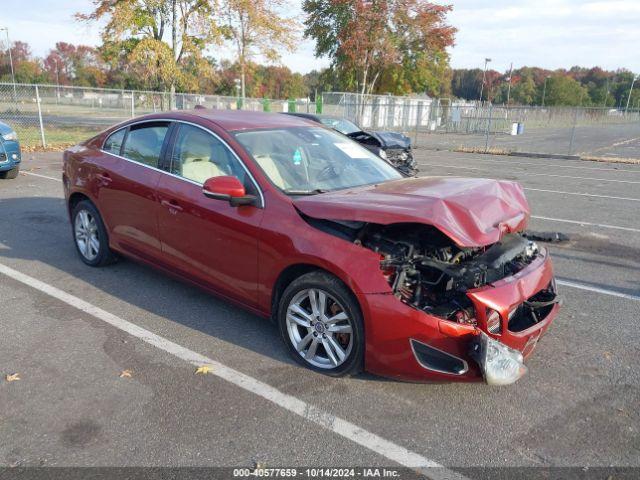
x: 10, y: 174
x: 321, y: 324
x: 90, y: 235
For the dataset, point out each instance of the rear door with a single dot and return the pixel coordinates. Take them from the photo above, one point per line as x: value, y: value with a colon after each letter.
x: 208, y: 240
x: 127, y: 193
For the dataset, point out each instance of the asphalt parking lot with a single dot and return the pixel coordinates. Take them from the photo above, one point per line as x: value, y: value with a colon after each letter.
x: 611, y: 141
x: 578, y: 405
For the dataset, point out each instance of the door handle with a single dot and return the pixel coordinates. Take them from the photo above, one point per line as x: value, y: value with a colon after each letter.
x: 170, y: 204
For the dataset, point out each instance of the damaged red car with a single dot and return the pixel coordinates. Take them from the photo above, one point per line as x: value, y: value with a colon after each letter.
x: 421, y: 279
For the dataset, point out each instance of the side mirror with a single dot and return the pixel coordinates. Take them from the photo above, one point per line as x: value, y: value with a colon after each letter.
x: 227, y: 188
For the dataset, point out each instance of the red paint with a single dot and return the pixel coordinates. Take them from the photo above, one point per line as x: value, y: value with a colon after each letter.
x: 225, y: 185
x: 470, y: 211
x: 239, y: 252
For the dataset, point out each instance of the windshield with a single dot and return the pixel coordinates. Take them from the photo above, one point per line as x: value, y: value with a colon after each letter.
x: 307, y: 160
x: 340, y: 124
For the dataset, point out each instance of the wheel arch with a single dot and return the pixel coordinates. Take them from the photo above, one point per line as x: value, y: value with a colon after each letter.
x: 291, y: 272
x: 75, y: 198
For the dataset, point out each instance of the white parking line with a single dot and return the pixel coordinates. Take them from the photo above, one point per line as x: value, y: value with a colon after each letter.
x: 603, y: 291
x: 589, y: 224
x: 628, y: 199
x: 528, y: 174
x: 356, y: 434
x: 553, y: 165
x: 42, y: 176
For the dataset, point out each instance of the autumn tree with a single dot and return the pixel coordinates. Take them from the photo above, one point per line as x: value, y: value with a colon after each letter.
x: 166, y: 34
x: 257, y: 27
x: 27, y: 69
x: 403, y: 40
x: 68, y: 64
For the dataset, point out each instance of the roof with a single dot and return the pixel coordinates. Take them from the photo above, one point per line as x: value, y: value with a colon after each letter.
x: 244, y: 119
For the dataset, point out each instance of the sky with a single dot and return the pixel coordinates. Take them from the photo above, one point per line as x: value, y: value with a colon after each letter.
x: 546, y: 33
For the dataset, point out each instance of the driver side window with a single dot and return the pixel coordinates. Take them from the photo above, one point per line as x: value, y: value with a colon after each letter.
x: 198, y: 155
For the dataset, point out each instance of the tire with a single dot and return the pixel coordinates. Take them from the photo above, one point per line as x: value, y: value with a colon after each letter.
x: 10, y: 174
x: 348, y: 334
x: 87, y: 225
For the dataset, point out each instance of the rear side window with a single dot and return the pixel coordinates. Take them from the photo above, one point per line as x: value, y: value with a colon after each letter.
x: 114, y: 142
x: 144, y: 143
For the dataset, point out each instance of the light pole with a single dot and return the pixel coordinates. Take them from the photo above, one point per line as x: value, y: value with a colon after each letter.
x: 509, y: 89
x: 13, y: 76
x: 635, y: 77
x: 484, y: 75
x: 544, y: 89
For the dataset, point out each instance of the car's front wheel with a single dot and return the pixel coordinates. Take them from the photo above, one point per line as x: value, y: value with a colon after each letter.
x: 321, y: 324
x: 90, y: 235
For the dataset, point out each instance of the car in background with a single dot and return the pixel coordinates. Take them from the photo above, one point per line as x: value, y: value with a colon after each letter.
x: 391, y: 146
x: 422, y: 279
x: 10, y: 155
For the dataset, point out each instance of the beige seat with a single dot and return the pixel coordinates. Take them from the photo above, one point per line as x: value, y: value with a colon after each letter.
x: 196, y: 162
x: 260, y: 147
x: 200, y: 170
x: 271, y: 169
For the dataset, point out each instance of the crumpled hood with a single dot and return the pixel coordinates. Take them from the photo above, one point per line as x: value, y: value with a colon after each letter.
x: 391, y: 139
x: 473, y: 212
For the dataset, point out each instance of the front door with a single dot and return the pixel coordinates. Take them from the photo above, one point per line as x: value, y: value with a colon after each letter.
x: 127, y: 187
x: 208, y: 240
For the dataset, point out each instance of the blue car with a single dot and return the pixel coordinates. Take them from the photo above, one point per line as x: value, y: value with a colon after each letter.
x: 9, y: 152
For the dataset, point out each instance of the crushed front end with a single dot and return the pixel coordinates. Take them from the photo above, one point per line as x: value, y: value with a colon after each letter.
x: 456, y: 313
x: 402, y: 159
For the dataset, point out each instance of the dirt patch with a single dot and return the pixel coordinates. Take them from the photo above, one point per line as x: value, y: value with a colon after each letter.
x: 631, y: 161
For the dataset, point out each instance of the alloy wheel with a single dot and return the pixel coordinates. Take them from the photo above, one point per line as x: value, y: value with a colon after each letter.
x: 86, y: 233
x: 319, y: 328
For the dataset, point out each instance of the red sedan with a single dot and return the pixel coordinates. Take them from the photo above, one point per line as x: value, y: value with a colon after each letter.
x: 360, y: 267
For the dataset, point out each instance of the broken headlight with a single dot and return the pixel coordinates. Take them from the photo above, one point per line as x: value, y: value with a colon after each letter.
x: 500, y: 364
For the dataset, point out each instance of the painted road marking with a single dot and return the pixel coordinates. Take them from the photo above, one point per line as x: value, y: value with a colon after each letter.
x: 553, y: 165
x: 603, y: 291
x: 528, y: 174
x: 42, y: 176
x: 628, y: 199
x: 356, y: 434
x: 589, y: 224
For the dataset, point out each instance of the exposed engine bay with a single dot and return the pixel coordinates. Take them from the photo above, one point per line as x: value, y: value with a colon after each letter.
x: 427, y: 271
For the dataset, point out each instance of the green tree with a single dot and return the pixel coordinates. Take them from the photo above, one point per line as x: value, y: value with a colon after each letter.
x: 564, y: 90
x: 256, y: 27
x: 170, y: 35
x: 367, y: 40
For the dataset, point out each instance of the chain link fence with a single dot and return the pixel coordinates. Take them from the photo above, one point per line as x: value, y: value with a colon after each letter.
x: 445, y: 124
x: 50, y: 115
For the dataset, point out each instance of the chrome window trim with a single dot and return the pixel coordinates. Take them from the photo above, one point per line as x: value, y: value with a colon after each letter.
x: 426, y: 367
x: 244, y: 167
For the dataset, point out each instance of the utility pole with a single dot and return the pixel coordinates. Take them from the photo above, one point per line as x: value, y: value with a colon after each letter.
x: 544, y: 89
x: 606, y: 95
x: 13, y: 76
x: 509, y: 89
x: 635, y: 77
x: 484, y: 75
